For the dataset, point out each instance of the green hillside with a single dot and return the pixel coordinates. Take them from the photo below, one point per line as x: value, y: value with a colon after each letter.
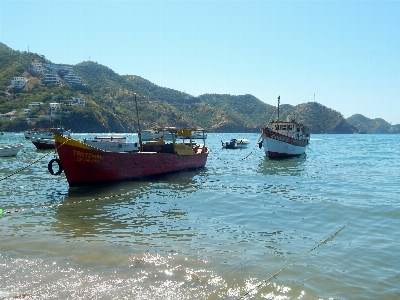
x: 110, y: 103
x: 366, y: 125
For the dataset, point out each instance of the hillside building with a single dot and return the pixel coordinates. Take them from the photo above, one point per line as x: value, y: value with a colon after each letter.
x: 71, y: 78
x: 57, y: 68
x: 54, y: 108
x: 38, y: 67
x: 35, y: 104
x: 18, y: 82
x: 51, y: 78
x: 10, y: 115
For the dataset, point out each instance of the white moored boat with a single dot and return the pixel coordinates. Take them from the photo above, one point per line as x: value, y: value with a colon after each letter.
x: 155, y: 135
x: 112, y: 144
x: 11, y: 150
x: 284, y: 138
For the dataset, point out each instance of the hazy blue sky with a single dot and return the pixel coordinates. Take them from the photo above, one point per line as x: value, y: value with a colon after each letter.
x: 346, y: 52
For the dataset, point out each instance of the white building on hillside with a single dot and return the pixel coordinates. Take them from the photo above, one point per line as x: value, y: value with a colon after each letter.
x: 71, y: 78
x: 51, y: 78
x: 35, y: 104
x: 38, y: 67
x: 54, y: 108
x: 18, y: 82
x: 56, y: 68
x: 10, y: 115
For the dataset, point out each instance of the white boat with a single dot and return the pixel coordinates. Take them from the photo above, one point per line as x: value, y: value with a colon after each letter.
x: 155, y: 135
x: 199, y: 134
x: 45, y: 133
x: 112, y: 144
x: 11, y: 150
x: 284, y: 138
x: 235, y: 143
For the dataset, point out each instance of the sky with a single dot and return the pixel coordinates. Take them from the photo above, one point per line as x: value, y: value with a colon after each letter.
x: 342, y: 54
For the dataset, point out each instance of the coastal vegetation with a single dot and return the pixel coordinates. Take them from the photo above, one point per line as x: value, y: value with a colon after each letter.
x: 110, y: 104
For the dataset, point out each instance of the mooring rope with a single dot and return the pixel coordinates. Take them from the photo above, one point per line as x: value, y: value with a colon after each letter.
x: 243, y: 158
x: 33, y: 162
x: 27, y: 166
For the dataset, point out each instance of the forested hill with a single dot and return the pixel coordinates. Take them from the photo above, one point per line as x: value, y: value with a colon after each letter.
x: 110, y: 105
x: 366, y: 125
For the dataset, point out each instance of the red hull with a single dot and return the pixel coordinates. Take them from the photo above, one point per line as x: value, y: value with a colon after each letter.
x: 84, y: 166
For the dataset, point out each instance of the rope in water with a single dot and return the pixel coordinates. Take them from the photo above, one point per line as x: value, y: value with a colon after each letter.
x: 246, y: 157
x: 265, y: 281
x: 33, y: 162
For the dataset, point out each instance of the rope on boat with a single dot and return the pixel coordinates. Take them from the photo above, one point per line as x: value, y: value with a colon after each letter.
x: 265, y: 281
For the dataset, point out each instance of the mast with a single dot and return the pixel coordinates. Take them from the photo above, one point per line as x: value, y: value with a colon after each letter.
x: 279, y: 99
x: 138, y: 123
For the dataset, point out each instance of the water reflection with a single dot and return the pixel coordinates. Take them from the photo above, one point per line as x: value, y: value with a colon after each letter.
x: 129, y: 212
x: 287, y: 166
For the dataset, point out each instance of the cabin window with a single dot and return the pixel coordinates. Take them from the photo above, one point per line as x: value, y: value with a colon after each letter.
x: 283, y: 127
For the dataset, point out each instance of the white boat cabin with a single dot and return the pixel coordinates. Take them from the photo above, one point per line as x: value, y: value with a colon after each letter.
x: 289, y: 128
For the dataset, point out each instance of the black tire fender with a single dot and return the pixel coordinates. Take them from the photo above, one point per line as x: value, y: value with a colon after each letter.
x: 50, y: 166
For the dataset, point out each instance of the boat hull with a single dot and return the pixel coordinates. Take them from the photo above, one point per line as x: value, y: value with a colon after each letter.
x: 235, y: 144
x: 12, y: 150
x: 277, y: 145
x: 84, y: 165
x: 43, y: 143
x: 45, y: 133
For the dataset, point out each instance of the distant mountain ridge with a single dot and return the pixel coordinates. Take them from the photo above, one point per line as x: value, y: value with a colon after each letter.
x: 378, y: 125
x: 110, y: 104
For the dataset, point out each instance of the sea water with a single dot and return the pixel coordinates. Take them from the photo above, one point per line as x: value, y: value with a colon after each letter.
x: 321, y: 226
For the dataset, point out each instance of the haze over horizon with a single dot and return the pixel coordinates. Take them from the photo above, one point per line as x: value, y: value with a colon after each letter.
x: 346, y: 53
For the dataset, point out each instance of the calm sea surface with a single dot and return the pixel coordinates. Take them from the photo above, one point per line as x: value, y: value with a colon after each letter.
x: 323, y: 226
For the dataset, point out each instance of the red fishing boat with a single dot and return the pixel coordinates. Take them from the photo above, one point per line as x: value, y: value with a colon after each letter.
x: 284, y: 138
x: 85, y: 165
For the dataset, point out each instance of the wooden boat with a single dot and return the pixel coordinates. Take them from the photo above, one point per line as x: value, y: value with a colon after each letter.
x: 284, y: 138
x: 44, y: 133
x: 85, y: 165
x: 43, y: 143
x: 112, y: 143
x: 11, y: 150
x: 235, y: 143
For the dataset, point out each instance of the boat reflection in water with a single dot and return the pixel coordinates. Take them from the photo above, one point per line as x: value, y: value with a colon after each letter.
x: 125, y: 212
x: 293, y: 166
